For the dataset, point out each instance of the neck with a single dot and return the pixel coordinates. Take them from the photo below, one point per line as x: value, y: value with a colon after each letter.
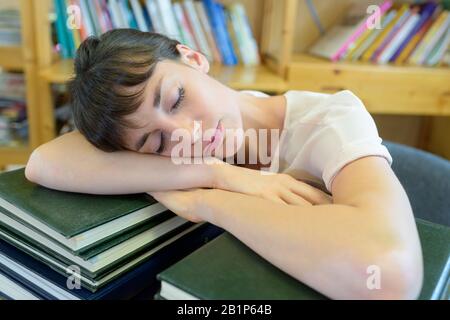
x: 261, y: 113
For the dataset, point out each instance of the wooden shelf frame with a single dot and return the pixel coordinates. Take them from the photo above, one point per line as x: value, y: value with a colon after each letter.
x: 23, y: 58
x: 11, y: 58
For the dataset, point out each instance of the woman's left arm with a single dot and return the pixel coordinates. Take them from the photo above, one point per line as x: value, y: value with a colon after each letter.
x: 338, y: 249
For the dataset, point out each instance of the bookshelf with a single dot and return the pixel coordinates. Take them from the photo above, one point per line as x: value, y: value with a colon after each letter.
x: 22, y: 58
x: 284, y: 31
x: 53, y: 70
x: 385, y: 89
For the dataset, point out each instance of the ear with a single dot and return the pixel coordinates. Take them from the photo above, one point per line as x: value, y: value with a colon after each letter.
x: 193, y: 58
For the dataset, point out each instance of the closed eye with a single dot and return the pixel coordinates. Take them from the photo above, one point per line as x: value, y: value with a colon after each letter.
x: 179, y: 100
x: 161, y: 145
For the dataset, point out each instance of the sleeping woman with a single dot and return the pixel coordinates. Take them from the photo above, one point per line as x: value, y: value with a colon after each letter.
x: 301, y: 178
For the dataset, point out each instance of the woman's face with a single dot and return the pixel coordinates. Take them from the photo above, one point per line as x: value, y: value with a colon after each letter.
x: 181, y: 100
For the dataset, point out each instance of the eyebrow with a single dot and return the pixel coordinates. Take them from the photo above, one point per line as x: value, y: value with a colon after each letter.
x: 156, y: 102
x: 157, y: 98
x: 142, y: 141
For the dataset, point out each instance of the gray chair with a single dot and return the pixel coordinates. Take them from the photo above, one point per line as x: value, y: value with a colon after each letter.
x: 426, y: 179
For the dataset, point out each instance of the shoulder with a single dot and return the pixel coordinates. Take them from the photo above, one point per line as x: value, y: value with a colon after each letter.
x: 320, y: 108
x: 327, y: 131
x: 256, y: 93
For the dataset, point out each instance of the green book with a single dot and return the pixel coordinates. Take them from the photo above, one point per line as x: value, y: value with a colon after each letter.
x: 101, y: 260
x: 93, y: 279
x: 227, y: 269
x: 74, y: 220
x: 103, y: 235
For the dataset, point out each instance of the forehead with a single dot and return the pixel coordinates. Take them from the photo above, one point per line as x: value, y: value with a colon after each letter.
x: 141, y: 118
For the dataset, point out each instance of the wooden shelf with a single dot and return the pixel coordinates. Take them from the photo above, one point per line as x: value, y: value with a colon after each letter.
x: 11, y: 58
x: 59, y: 72
x: 238, y: 77
x: 385, y: 89
x: 14, y: 155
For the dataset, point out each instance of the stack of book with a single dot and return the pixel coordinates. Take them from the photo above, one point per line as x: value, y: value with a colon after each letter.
x: 222, y: 34
x: 61, y: 245
x: 414, y: 34
x: 227, y: 269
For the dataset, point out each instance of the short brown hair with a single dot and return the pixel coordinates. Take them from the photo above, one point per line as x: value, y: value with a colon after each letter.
x: 107, y: 71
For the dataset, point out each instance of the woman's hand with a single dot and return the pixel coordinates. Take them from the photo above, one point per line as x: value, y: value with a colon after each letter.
x: 278, y: 187
x: 185, y: 203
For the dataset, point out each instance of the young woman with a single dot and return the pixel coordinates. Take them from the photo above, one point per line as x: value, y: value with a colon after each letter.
x: 333, y: 214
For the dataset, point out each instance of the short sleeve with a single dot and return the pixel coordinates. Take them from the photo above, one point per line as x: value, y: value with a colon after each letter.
x: 344, y: 131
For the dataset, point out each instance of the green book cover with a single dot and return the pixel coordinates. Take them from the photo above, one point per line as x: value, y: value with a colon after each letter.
x: 60, y: 263
x: 435, y: 240
x: 102, y: 246
x: 66, y: 212
x: 227, y: 269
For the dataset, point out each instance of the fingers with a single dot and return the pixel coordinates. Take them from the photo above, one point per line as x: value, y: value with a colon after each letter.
x: 276, y: 199
x: 294, y: 199
x: 311, y: 194
x: 156, y: 195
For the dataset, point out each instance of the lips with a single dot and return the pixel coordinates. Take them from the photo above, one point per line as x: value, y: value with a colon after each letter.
x: 216, y: 139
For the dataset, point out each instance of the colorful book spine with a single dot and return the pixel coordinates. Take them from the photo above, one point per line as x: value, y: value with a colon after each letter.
x: 415, y: 41
x: 187, y: 37
x: 155, y: 17
x: 128, y: 14
x: 352, y: 49
x: 168, y: 19
x: 60, y: 31
x: 217, y: 20
x: 207, y: 30
x: 81, y: 28
x: 197, y: 28
x: 439, y: 27
x: 374, y: 35
x: 397, y: 27
x: 361, y: 28
x: 420, y: 48
x: 426, y: 13
x: 75, y: 30
x: 384, y: 34
x: 68, y: 31
x: 106, y: 14
x: 188, y: 25
x: 93, y: 17
x: 100, y: 15
x: 236, y: 38
x: 116, y: 16
x: 244, y: 27
x: 439, y: 50
x: 139, y: 15
x: 399, y: 37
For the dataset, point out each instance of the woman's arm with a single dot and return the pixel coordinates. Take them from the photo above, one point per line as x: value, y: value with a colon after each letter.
x: 71, y: 163
x: 333, y: 248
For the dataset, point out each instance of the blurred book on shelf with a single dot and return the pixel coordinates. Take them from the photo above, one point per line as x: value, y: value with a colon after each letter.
x: 204, y: 25
x: 13, y: 115
x: 9, y: 28
x: 400, y: 33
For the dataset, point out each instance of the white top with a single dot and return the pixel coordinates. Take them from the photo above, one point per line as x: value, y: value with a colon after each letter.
x: 322, y: 133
